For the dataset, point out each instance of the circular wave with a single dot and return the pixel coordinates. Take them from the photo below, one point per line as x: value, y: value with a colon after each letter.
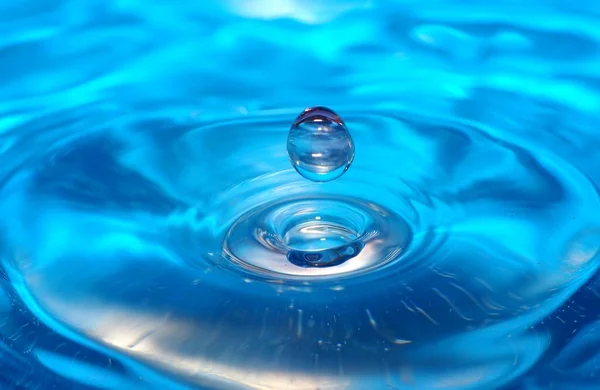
x: 159, y: 244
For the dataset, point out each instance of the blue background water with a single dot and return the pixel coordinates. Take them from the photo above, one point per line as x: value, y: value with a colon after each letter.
x: 134, y: 135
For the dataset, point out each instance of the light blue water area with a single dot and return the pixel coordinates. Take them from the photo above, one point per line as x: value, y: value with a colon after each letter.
x: 154, y: 235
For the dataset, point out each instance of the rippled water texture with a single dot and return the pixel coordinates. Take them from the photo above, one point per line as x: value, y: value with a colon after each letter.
x: 154, y: 234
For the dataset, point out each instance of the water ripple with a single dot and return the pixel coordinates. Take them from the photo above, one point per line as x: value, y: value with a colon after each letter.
x: 480, y: 262
x: 143, y: 153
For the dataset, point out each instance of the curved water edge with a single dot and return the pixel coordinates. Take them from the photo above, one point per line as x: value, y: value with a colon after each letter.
x: 140, y: 251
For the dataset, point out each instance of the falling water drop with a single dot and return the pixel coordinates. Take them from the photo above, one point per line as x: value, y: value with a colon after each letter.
x: 319, y: 145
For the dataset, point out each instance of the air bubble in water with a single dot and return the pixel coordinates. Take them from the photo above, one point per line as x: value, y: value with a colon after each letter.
x: 319, y: 145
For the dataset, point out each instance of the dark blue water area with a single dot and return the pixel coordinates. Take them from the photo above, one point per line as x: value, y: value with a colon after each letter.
x: 162, y: 228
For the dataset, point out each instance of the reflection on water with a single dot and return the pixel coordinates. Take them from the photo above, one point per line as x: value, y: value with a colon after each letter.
x: 150, y: 215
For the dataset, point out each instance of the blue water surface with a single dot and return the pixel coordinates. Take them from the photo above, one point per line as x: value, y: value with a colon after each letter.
x: 149, y: 214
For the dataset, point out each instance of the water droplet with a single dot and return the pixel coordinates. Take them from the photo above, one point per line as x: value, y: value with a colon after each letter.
x: 319, y: 145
